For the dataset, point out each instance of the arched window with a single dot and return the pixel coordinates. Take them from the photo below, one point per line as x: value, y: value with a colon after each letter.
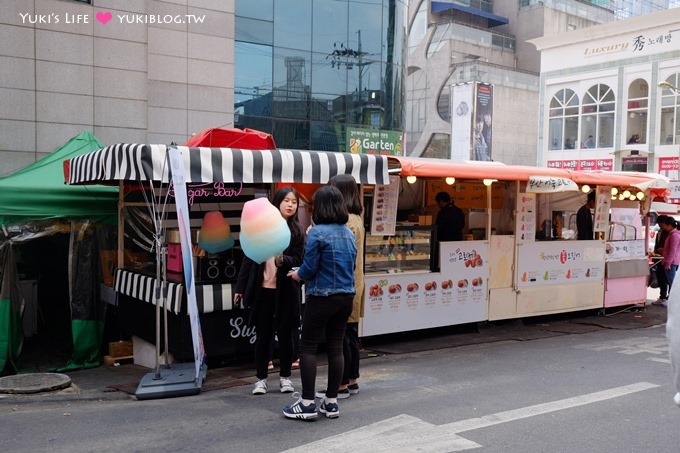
x: 563, y: 121
x: 636, y: 122
x: 670, y: 112
x: 597, y: 117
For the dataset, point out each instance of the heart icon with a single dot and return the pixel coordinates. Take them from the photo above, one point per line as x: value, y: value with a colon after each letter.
x: 104, y: 17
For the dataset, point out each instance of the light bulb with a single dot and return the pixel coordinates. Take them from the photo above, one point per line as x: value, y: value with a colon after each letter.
x: 626, y: 193
x: 632, y: 197
x: 615, y: 190
x: 411, y: 179
x: 585, y: 188
x: 450, y: 180
x: 488, y: 182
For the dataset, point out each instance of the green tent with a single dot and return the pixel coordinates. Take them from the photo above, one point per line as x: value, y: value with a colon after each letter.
x: 38, y: 192
x: 36, y: 195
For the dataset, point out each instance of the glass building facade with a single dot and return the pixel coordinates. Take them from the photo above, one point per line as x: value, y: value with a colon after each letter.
x: 305, y: 70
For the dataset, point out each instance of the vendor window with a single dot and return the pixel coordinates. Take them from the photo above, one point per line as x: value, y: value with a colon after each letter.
x: 670, y: 105
x: 597, y: 117
x: 563, y: 122
x: 636, y: 120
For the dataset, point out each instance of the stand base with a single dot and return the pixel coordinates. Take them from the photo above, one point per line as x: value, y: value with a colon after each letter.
x: 176, y: 379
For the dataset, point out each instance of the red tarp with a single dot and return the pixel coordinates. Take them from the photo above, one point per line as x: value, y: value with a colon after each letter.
x: 232, y: 138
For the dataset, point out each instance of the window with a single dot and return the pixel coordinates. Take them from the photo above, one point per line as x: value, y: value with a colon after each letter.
x: 597, y: 117
x: 636, y: 122
x: 563, y: 121
x: 670, y: 109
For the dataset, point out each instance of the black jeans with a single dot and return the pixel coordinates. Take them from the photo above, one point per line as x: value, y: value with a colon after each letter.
x: 662, y: 280
x: 321, y: 314
x: 350, y: 350
x: 264, y: 331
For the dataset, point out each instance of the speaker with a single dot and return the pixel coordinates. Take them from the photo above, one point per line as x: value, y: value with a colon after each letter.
x: 219, y: 267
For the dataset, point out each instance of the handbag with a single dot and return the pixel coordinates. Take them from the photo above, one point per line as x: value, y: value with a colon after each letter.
x: 653, y: 281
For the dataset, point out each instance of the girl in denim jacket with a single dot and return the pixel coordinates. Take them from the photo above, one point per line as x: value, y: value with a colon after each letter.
x: 328, y: 272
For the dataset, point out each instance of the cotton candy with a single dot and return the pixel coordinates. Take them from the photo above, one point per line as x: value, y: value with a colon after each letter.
x: 215, y: 234
x: 264, y: 232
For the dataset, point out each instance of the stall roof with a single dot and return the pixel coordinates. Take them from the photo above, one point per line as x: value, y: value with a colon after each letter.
x: 440, y: 168
x: 135, y: 162
x: 37, y: 191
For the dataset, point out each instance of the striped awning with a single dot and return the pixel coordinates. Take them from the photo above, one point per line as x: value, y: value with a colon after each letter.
x: 134, y: 162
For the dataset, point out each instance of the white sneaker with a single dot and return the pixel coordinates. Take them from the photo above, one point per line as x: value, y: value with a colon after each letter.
x: 260, y: 387
x: 286, y: 385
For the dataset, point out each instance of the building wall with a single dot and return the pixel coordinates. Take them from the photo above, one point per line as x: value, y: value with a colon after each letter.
x: 446, y: 54
x: 308, y: 69
x: 612, y: 54
x: 125, y: 80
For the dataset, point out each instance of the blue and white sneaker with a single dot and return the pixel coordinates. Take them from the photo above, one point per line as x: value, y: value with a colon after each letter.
x: 299, y: 410
x: 330, y: 409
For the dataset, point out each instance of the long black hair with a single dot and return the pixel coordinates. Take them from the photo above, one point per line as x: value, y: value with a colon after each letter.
x: 329, y: 206
x: 293, y: 222
x: 350, y: 192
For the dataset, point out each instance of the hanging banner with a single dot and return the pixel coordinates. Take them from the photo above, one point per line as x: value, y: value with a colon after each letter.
x: 461, y: 121
x: 525, y: 222
x: 181, y: 202
x: 603, y: 203
x: 481, y: 145
x: 550, y: 184
x: 384, y: 212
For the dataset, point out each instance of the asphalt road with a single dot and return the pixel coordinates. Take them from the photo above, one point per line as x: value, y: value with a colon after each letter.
x: 607, y: 390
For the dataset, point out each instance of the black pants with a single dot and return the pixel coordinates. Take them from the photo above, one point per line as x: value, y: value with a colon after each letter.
x: 265, y: 326
x: 350, y: 350
x: 662, y: 280
x: 327, y: 313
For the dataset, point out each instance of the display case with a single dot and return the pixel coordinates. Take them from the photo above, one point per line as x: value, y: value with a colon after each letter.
x: 410, y: 249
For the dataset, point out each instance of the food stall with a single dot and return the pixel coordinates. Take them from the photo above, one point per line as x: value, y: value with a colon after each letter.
x: 520, y: 257
x: 218, y: 179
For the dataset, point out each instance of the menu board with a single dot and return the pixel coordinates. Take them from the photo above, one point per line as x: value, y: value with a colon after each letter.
x: 558, y: 262
x: 603, y: 202
x: 525, y: 221
x: 411, y: 301
x: 625, y: 250
x: 384, y: 213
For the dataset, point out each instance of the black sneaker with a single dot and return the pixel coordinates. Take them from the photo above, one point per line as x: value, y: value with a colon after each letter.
x: 330, y: 409
x: 353, y: 389
x: 342, y: 394
x: 300, y: 411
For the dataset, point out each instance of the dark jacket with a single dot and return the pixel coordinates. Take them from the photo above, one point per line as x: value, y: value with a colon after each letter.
x: 450, y: 223
x: 288, y: 295
x: 584, y: 223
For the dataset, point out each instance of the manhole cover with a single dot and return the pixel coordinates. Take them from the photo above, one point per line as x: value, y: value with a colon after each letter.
x: 34, y: 383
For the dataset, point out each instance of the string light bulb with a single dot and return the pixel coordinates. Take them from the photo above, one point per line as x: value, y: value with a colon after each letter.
x: 615, y: 191
x: 488, y: 182
x: 411, y: 179
x: 626, y: 194
x: 450, y: 180
x: 585, y: 188
x: 640, y: 196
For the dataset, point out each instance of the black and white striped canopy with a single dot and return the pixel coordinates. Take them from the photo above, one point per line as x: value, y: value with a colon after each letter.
x: 134, y: 162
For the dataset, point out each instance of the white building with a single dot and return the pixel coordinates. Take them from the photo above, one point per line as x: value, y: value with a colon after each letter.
x: 608, y: 97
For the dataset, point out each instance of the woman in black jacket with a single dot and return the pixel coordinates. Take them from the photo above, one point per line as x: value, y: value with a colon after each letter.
x: 274, y: 299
